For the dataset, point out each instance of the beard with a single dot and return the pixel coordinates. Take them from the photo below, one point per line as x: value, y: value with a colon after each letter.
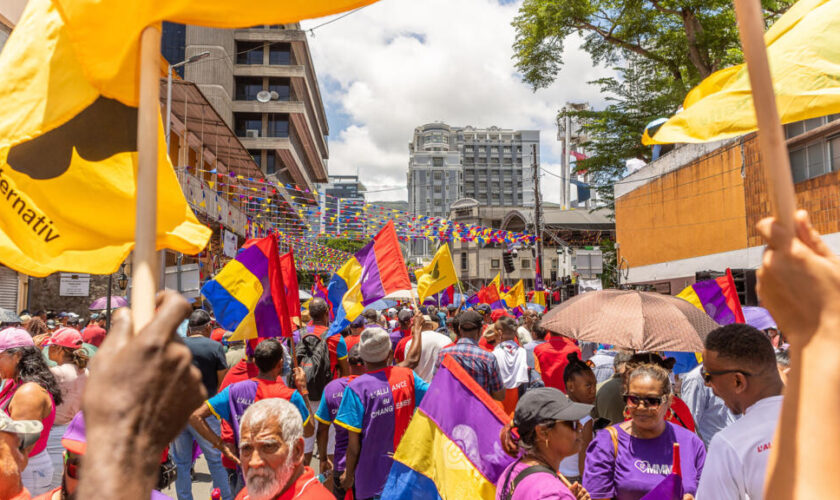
x: 264, y: 483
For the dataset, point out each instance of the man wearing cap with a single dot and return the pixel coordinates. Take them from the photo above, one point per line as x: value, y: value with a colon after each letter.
x: 75, y: 443
x: 375, y: 409
x: 15, y: 436
x: 209, y: 357
x: 401, y: 334
x: 480, y: 364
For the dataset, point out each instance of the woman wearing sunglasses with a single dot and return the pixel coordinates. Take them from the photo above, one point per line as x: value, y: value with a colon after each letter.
x: 627, y: 460
x: 547, y: 423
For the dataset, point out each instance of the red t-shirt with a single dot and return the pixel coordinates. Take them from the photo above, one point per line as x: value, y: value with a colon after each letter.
x: 682, y: 411
x: 306, y: 487
x: 399, y: 351
x: 351, y: 340
x: 94, y: 335
x: 551, y: 358
x: 218, y: 334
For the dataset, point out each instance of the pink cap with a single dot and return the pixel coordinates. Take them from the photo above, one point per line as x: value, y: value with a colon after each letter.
x: 66, y: 337
x: 14, y: 337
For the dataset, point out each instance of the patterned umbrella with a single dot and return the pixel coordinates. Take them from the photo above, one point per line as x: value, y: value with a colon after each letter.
x: 102, y: 303
x: 644, y: 321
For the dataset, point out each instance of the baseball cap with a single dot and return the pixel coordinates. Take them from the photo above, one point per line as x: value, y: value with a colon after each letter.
x: 14, y: 337
x: 358, y: 322
x: 483, y: 308
x: 470, y: 320
x: 546, y: 404
x: 65, y: 337
x: 50, y: 324
x: 391, y: 312
x: 28, y: 431
x: 405, y: 315
x: 374, y: 345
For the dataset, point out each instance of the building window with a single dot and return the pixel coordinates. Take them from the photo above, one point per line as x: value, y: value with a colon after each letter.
x: 463, y: 261
x: 271, y: 162
x: 280, y: 54
x: 248, y: 124
x: 278, y: 125
x: 494, y: 263
x: 437, y: 162
x: 815, y: 159
x: 249, y: 52
x: 526, y: 264
x: 248, y: 88
x: 281, y: 86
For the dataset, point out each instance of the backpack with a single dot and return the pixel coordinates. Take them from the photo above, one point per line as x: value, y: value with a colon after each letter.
x: 314, y: 357
x: 508, y: 488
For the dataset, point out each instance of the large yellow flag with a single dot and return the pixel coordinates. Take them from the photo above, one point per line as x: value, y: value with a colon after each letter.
x: 515, y: 296
x: 68, y: 149
x: 804, y: 51
x: 497, y: 282
x: 437, y: 275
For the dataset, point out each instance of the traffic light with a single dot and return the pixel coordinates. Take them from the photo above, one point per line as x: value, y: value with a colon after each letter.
x: 507, y: 259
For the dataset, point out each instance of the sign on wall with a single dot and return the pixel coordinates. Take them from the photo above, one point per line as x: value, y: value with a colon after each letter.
x: 230, y: 244
x: 74, y: 285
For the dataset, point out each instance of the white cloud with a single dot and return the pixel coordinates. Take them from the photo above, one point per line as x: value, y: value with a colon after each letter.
x: 398, y: 64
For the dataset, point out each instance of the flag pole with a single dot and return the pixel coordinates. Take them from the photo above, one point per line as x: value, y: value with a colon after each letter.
x: 145, y: 262
x: 771, y: 138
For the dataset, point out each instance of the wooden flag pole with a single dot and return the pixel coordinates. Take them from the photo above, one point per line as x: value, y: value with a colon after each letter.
x: 771, y: 138
x: 145, y: 261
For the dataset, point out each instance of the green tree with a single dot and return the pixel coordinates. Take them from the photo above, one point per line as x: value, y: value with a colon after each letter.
x: 344, y: 244
x: 660, y: 48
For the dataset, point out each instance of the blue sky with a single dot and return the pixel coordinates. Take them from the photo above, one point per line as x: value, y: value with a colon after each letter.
x: 398, y: 64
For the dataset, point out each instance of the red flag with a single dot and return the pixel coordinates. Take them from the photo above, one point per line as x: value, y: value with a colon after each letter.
x: 489, y: 295
x: 291, y: 295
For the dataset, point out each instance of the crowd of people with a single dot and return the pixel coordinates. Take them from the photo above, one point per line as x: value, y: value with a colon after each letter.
x: 105, y: 419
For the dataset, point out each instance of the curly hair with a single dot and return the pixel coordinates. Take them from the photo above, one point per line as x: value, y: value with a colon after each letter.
x: 36, y: 326
x: 78, y: 357
x: 33, y: 368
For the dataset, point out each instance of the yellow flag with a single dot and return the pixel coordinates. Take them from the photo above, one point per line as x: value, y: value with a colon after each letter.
x: 68, y: 150
x: 804, y: 51
x: 497, y: 282
x: 515, y: 296
x: 437, y: 275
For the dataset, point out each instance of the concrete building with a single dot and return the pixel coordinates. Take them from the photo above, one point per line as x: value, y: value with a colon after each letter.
x: 262, y: 82
x: 694, y: 210
x: 564, y: 232
x: 492, y: 166
x: 336, y: 199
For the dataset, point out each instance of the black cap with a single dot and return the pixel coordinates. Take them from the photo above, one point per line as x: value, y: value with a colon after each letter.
x: 470, y: 320
x: 405, y: 315
x: 546, y: 404
x: 484, y: 308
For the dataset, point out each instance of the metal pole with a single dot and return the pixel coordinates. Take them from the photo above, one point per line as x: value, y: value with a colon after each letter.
x: 168, y: 105
x: 567, y: 154
x: 108, y: 307
x: 537, y: 216
x: 180, y: 258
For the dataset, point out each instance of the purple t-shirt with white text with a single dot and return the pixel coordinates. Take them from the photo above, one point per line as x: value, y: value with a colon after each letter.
x: 641, y: 464
x: 327, y: 410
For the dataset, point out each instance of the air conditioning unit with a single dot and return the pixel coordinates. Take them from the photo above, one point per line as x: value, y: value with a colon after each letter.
x: 252, y: 132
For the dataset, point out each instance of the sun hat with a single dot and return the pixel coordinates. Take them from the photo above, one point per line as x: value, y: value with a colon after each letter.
x: 374, y: 344
x: 66, y: 337
x: 14, y: 337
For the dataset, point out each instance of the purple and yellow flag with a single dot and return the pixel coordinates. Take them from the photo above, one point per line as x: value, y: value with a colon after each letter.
x: 717, y: 297
x: 450, y: 450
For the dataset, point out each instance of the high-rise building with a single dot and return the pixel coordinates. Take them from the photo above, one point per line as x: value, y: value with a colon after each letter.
x: 338, y: 202
x: 261, y: 80
x: 492, y: 166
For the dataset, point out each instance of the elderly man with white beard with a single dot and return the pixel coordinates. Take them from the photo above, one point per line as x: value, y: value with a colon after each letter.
x: 271, y: 454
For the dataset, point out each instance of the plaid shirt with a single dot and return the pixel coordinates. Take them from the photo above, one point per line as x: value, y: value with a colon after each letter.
x: 480, y: 364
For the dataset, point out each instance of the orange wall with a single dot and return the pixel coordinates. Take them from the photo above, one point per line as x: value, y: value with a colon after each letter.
x: 693, y: 211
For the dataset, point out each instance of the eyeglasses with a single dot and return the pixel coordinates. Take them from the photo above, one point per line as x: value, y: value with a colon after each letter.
x: 649, y: 401
x: 708, y: 376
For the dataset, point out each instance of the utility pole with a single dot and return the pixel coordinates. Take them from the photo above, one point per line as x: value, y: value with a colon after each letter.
x: 538, y: 284
x: 567, y: 169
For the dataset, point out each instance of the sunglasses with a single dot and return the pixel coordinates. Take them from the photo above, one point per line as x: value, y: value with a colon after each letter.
x: 650, y: 401
x: 572, y: 424
x: 708, y: 376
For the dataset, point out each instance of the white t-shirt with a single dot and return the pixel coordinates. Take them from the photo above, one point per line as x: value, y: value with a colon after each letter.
x: 433, y: 342
x: 72, y: 383
x: 513, y: 364
x: 524, y: 335
x: 737, y: 456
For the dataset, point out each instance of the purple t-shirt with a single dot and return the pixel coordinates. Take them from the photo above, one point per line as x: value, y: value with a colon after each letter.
x: 540, y: 486
x: 327, y: 410
x: 641, y: 464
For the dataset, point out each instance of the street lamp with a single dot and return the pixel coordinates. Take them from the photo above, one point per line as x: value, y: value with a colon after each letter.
x: 169, y: 69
